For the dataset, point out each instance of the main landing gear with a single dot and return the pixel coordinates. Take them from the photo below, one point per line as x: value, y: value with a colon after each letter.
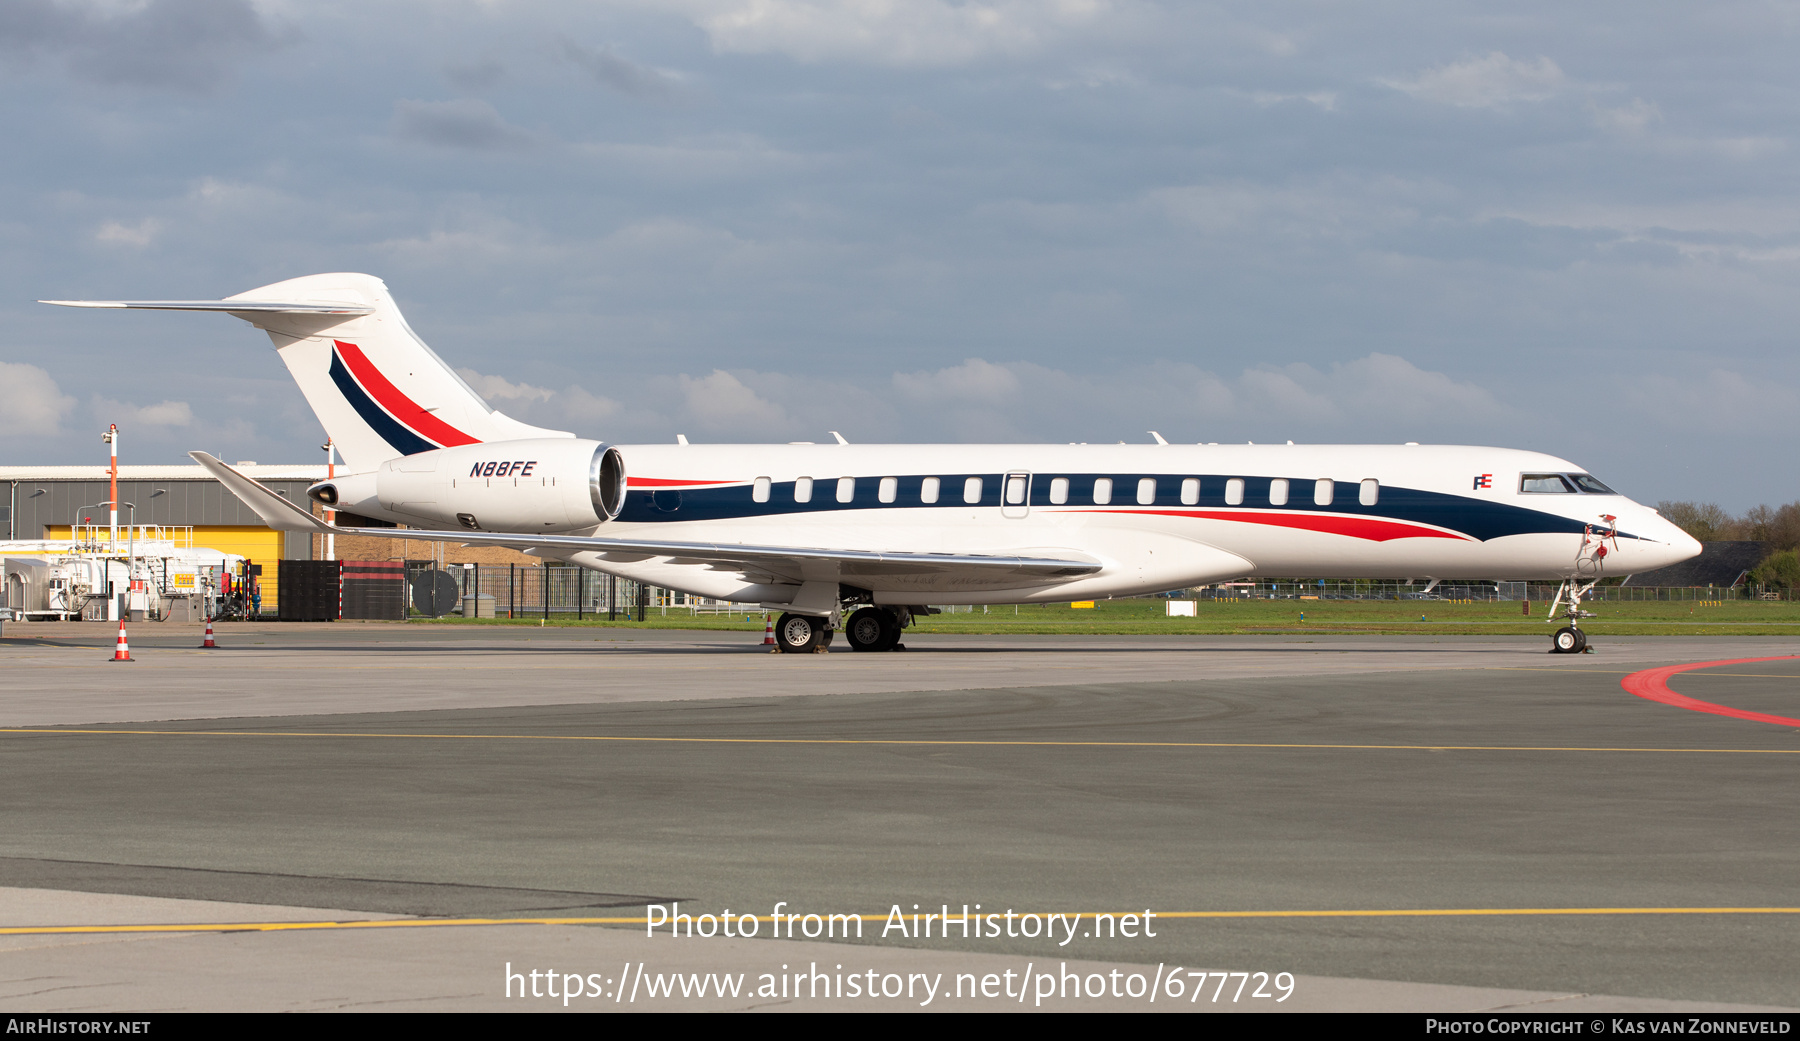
x: 1570, y: 639
x: 873, y: 629
x: 801, y: 634
x: 868, y: 629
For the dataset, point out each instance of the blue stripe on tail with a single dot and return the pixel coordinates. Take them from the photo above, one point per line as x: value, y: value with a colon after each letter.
x: 402, y: 440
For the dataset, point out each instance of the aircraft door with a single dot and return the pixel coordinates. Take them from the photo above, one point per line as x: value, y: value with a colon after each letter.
x: 1015, y: 495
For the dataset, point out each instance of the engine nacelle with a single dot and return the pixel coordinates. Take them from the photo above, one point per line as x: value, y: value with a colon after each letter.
x: 549, y: 484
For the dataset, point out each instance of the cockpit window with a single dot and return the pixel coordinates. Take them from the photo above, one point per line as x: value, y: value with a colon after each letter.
x: 1544, y: 483
x: 1588, y: 483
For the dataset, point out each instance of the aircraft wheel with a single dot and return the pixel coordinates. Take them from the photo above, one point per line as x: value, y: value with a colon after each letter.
x: 872, y: 629
x: 1583, y: 638
x: 1567, y: 641
x: 798, y: 633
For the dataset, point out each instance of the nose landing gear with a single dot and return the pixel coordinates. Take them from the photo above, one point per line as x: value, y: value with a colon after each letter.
x: 1570, y: 639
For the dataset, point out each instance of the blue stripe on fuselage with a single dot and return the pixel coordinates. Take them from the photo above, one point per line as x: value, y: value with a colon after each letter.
x: 1477, y: 518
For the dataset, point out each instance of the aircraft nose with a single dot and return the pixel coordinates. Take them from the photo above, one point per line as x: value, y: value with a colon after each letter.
x: 1663, y: 544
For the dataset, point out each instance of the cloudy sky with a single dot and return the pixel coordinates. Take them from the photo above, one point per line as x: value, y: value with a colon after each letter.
x: 1567, y: 227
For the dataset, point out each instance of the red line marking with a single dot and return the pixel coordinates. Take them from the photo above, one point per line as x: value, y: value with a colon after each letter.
x: 403, y: 408
x: 1653, y: 684
x: 1355, y: 527
x: 659, y: 482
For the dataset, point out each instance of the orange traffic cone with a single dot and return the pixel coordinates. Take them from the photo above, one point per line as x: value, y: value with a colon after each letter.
x: 208, y: 644
x: 768, y: 631
x: 123, y: 651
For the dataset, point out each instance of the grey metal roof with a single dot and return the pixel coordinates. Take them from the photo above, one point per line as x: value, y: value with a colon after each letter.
x: 1719, y: 564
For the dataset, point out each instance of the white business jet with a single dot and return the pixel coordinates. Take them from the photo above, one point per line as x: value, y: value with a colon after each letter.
x: 880, y: 531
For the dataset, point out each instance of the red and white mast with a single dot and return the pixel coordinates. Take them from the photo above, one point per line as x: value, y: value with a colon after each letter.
x: 112, y: 441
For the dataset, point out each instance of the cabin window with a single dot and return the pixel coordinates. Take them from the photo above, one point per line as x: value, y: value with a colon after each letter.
x: 1323, y: 490
x: 928, y: 489
x: 1059, y: 490
x: 846, y: 489
x: 1190, y: 491
x: 803, y: 489
x: 889, y: 489
x: 1015, y: 490
x: 1234, y: 492
x: 1146, y: 490
x: 1544, y: 483
x: 759, y: 491
x: 1278, y: 489
x: 1102, y: 491
x: 1370, y: 492
x: 972, y: 490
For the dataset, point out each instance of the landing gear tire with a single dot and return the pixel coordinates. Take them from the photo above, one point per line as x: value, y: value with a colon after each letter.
x: 800, y: 633
x: 1568, y: 640
x: 872, y: 629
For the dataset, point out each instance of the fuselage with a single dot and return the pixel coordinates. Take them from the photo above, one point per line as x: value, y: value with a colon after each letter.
x: 1156, y: 517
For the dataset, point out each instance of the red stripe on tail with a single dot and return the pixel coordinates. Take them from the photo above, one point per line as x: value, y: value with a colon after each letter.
x: 401, y: 407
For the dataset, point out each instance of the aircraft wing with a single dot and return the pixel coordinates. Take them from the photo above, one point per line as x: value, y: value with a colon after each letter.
x: 785, y: 562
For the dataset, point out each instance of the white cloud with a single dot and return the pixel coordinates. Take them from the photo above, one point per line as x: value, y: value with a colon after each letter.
x: 138, y: 235
x: 721, y: 402
x: 572, y: 405
x: 1488, y: 82
x: 33, y: 405
x: 974, y: 380
x: 1634, y: 118
x: 978, y: 400
x: 496, y: 388
x: 127, y: 416
x: 1324, y: 99
x: 1721, y: 401
x: 890, y: 32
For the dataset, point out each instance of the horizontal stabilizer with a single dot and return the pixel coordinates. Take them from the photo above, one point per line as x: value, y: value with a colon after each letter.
x: 243, y: 306
x: 276, y: 512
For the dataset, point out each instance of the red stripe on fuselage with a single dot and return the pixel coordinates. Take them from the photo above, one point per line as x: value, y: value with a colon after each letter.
x: 661, y: 482
x: 1355, y: 527
x: 401, y: 407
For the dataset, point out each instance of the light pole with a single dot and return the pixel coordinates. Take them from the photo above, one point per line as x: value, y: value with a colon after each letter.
x: 111, y: 437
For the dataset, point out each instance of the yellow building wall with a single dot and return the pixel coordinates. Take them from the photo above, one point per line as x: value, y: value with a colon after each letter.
x: 260, y: 545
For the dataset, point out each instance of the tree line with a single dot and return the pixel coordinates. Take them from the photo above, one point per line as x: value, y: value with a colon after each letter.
x: 1777, y: 527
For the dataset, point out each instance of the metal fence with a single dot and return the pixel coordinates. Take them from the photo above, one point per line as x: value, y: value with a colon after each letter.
x: 512, y: 591
x: 1374, y: 590
x: 525, y: 592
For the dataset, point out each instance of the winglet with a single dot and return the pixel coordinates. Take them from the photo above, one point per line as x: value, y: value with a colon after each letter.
x: 275, y: 511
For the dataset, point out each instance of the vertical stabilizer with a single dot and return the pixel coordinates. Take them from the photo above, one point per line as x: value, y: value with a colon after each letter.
x: 375, y: 386
x: 378, y: 390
